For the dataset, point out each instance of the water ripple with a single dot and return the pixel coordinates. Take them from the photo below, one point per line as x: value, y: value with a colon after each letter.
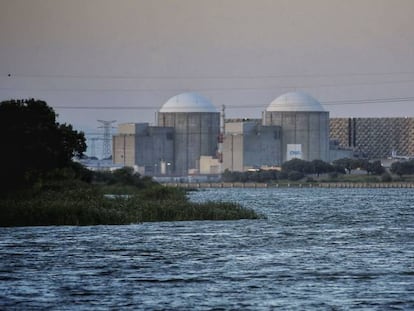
x: 319, y: 249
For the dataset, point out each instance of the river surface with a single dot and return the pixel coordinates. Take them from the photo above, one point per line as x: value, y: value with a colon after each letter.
x: 318, y: 249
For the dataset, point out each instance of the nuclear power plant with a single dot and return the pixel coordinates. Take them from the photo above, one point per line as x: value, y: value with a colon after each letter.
x: 304, y: 125
x: 187, y: 134
x: 193, y: 138
x: 196, y: 126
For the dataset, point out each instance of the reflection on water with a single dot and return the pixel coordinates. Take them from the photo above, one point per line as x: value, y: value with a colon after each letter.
x: 330, y: 249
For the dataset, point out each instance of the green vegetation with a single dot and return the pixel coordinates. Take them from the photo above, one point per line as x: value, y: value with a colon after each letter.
x: 75, y: 202
x: 33, y: 143
x: 373, y: 168
x: 43, y: 186
x: 300, y: 171
x: 403, y: 168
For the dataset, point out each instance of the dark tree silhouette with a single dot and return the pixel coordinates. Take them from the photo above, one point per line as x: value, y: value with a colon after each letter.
x: 33, y: 142
x: 321, y: 167
x: 346, y: 164
x: 403, y: 168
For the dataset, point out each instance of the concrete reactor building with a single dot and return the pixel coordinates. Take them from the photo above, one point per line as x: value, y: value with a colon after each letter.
x: 188, y: 130
x: 304, y: 126
x: 294, y: 125
x: 191, y: 137
x: 196, y: 124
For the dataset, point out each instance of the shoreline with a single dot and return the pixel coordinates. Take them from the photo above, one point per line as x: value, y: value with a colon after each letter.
x: 395, y: 185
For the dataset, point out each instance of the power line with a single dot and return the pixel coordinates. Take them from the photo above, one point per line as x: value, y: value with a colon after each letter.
x: 326, y: 103
x: 369, y: 101
x: 199, y: 77
x: 211, y: 89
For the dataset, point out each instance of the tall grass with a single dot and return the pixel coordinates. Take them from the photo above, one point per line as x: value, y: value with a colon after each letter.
x: 85, y: 204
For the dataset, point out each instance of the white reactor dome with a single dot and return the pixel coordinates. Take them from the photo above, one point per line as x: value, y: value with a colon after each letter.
x: 295, y: 101
x: 188, y: 102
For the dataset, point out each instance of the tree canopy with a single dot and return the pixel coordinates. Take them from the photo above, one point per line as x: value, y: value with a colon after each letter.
x: 374, y: 168
x: 403, y: 168
x: 33, y: 142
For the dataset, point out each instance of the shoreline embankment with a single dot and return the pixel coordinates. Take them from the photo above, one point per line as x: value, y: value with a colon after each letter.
x: 291, y: 185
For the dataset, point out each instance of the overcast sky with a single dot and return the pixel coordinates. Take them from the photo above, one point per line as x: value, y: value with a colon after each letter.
x: 136, y: 53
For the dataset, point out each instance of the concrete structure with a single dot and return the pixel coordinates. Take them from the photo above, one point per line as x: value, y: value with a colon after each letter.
x: 189, y: 139
x: 209, y: 165
x: 150, y: 148
x: 375, y: 138
x: 188, y: 129
x: 248, y: 144
x: 196, y: 125
x: 304, y: 125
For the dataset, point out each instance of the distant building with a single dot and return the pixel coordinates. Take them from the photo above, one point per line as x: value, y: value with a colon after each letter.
x: 196, y: 124
x: 188, y: 129
x: 191, y: 138
x: 304, y: 126
x: 374, y: 138
x: 249, y: 144
x: 150, y: 148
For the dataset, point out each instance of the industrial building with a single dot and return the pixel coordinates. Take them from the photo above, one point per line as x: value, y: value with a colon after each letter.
x: 196, y: 124
x: 304, y: 125
x: 294, y: 125
x: 149, y: 148
x: 187, y: 131
x: 250, y: 145
x: 191, y: 137
x: 374, y: 138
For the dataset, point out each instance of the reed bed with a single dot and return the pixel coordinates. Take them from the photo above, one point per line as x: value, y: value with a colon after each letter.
x: 85, y: 204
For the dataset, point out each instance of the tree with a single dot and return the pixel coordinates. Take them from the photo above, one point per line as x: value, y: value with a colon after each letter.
x: 320, y: 167
x: 33, y: 143
x: 403, y: 168
x: 362, y: 164
x: 298, y: 165
x: 375, y: 168
x: 397, y: 168
x: 346, y: 164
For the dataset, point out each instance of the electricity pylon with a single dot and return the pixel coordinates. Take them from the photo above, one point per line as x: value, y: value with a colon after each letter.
x: 106, y: 148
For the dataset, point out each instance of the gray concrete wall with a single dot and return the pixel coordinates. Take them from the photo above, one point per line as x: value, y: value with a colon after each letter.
x: 248, y: 144
x: 195, y: 134
x: 153, y: 145
x: 308, y: 129
x: 147, y: 147
x: 262, y: 146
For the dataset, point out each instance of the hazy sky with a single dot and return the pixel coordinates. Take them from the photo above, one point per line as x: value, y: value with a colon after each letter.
x: 135, y: 53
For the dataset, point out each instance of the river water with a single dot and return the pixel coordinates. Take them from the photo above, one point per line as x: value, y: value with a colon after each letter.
x: 318, y: 249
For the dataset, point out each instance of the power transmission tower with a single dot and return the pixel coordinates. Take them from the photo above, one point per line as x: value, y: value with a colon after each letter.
x: 106, y: 148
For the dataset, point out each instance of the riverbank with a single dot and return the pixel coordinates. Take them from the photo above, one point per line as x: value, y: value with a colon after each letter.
x: 293, y: 185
